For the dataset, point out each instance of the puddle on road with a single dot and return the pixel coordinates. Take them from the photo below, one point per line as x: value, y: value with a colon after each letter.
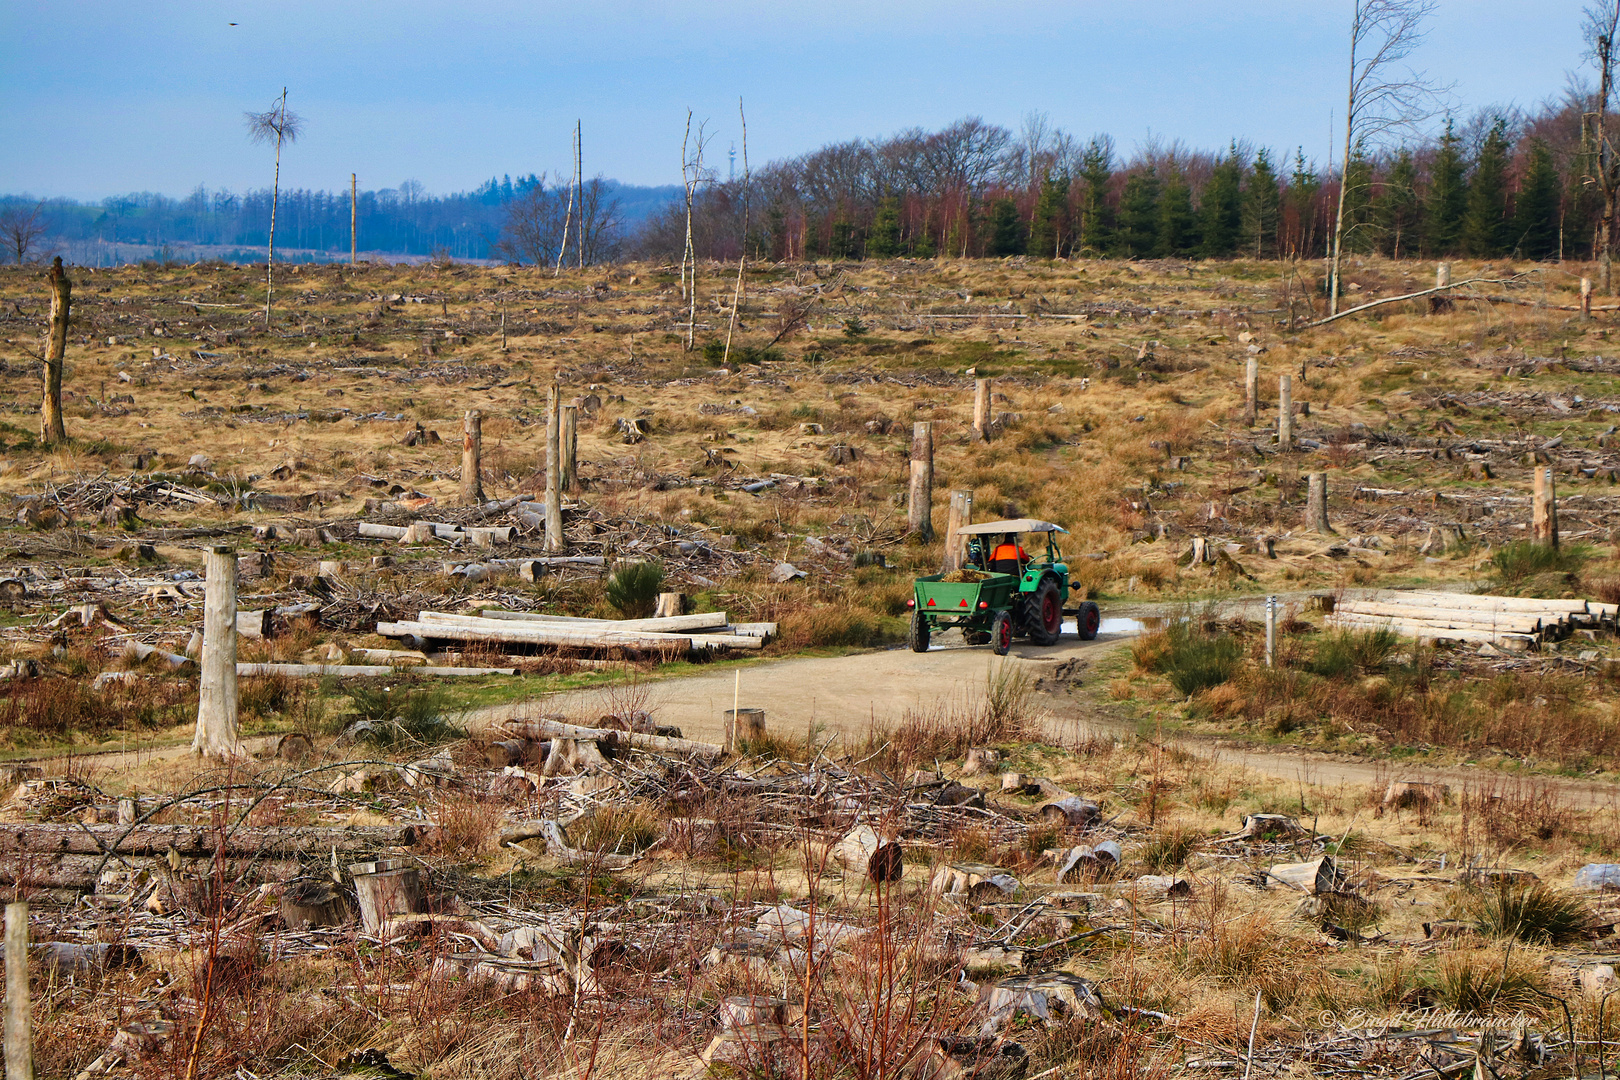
x: 1120, y: 625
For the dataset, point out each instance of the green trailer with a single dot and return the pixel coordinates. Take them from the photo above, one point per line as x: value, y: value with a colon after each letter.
x: 993, y: 600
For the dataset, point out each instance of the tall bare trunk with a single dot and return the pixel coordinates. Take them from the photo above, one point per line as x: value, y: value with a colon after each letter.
x: 217, y: 702
x: 354, y: 219
x: 275, y: 199
x: 50, y: 409
x: 742, y: 256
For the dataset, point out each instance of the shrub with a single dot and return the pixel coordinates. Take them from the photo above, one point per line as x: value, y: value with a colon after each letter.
x: 633, y: 588
x: 1168, y: 849
x: 832, y: 625
x: 1191, y: 657
x: 1531, y: 912
x: 1345, y: 652
x: 1483, y: 981
x: 394, y: 714
x: 1516, y: 563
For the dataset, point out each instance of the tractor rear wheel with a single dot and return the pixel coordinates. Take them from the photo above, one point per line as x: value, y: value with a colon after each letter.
x: 1043, y: 614
x: 1088, y: 619
x: 1001, y: 633
x: 918, y: 635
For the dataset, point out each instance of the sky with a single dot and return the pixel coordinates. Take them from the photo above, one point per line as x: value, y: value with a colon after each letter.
x: 106, y: 97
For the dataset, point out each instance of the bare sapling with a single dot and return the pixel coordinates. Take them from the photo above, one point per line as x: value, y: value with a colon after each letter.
x: 279, y: 126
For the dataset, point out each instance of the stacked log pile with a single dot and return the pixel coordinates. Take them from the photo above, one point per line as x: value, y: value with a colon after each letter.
x: 1511, y: 622
x: 528, y: 631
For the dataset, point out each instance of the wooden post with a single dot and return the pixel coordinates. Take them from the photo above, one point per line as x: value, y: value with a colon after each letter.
x: 354, y: 219
x: 1544, y: 508
x: 568, y: 445
x: 216, y: 700
x: 1271, y: 631
x: 981, y: 409
x: 961, y: 513
x: 472, y: 452
x: 554, y: 526
x: 50, y: 410
x: 1285, y: 413
x: 1586, y: 298
x: 920, y: 499
x: 1316, y: 518
x: 1251, y: 391
x: 19, y: 1009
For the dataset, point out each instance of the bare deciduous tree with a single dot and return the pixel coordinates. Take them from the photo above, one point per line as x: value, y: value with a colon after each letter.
x: 278, y: 125
x: 742, y: 256
x: 537, y: 225
x: 1380, y: 99
x: 1602, y: 167
x: 20, y: 226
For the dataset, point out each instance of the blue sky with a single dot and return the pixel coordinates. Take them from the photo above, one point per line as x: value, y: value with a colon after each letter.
x: 105, y: 97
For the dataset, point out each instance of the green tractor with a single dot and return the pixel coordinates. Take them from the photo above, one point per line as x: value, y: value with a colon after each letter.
x: 1001, y: 592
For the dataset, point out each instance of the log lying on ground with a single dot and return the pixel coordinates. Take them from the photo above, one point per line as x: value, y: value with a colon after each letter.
x: 1511, y: 622
x: 68, y: 871
x: 472, y: 628
x: 299, y: 671
x: 199, y: 840
x: 1425, y: 631
x: 661, y: 744
x: 669, y: 624
x: 1471, y: 601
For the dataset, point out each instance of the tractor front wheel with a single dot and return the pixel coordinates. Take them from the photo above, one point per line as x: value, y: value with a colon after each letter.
x: 1001, y: 633
x: 1044, y: 615
x: 1087, y: 620
x: 918, y: 636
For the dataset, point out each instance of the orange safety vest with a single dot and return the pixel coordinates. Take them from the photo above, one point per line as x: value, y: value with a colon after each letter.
x: 1009, y: 551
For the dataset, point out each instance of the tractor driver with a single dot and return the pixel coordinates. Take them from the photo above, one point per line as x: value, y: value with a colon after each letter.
x: 1007, y: 552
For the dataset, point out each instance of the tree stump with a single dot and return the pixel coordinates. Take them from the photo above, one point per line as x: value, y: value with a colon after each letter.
x: 307, y: 902
x: 842, y: 454
x: 669, y: 605
x: 387, y: 889
x: 743, y: 726
x: 862, y: 851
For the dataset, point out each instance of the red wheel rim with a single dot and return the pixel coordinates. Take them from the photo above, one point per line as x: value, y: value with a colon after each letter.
x: 1093, y: 620
x: 1052, y: 613
x: 1004, y: 634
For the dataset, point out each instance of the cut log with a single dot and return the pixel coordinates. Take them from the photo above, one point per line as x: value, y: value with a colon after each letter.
x: 572, y: 757
x: 346, y: 671
x: 556, y: 729
x: 140, y: 650
x: 980, y: 760
x: 1314, y: 876
x: 1512, y: 622
x: 200, y: 841
x: 253, y: 624
x: 974, y: 881
x: 509, y: 752
x: 863, y: 852
x: 1470, y: 601
x: 713, y: 620
x: 472, y: 628
x: 558, y: 847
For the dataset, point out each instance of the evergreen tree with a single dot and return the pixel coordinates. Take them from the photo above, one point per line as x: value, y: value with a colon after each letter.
x: 1220, y: 210
x: 1303, y: 188
x: 1262, y: 204
x: 1535, y: 222
x: 1138, y: 215
x: 884, y: 240
x: 1399, y: 211
x: 1006, y: 229
x: 1358, y: 202
x: 1049, y: 231
x: 1178, y: 225
x: 1487, y: 228
x: 1096, y: 216
x: 1447, y: 200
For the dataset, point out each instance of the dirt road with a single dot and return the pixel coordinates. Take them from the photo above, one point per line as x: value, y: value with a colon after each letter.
x: 848, y: 694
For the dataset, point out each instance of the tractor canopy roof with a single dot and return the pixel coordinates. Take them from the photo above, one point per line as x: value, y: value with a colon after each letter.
x: 1016, y: 525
